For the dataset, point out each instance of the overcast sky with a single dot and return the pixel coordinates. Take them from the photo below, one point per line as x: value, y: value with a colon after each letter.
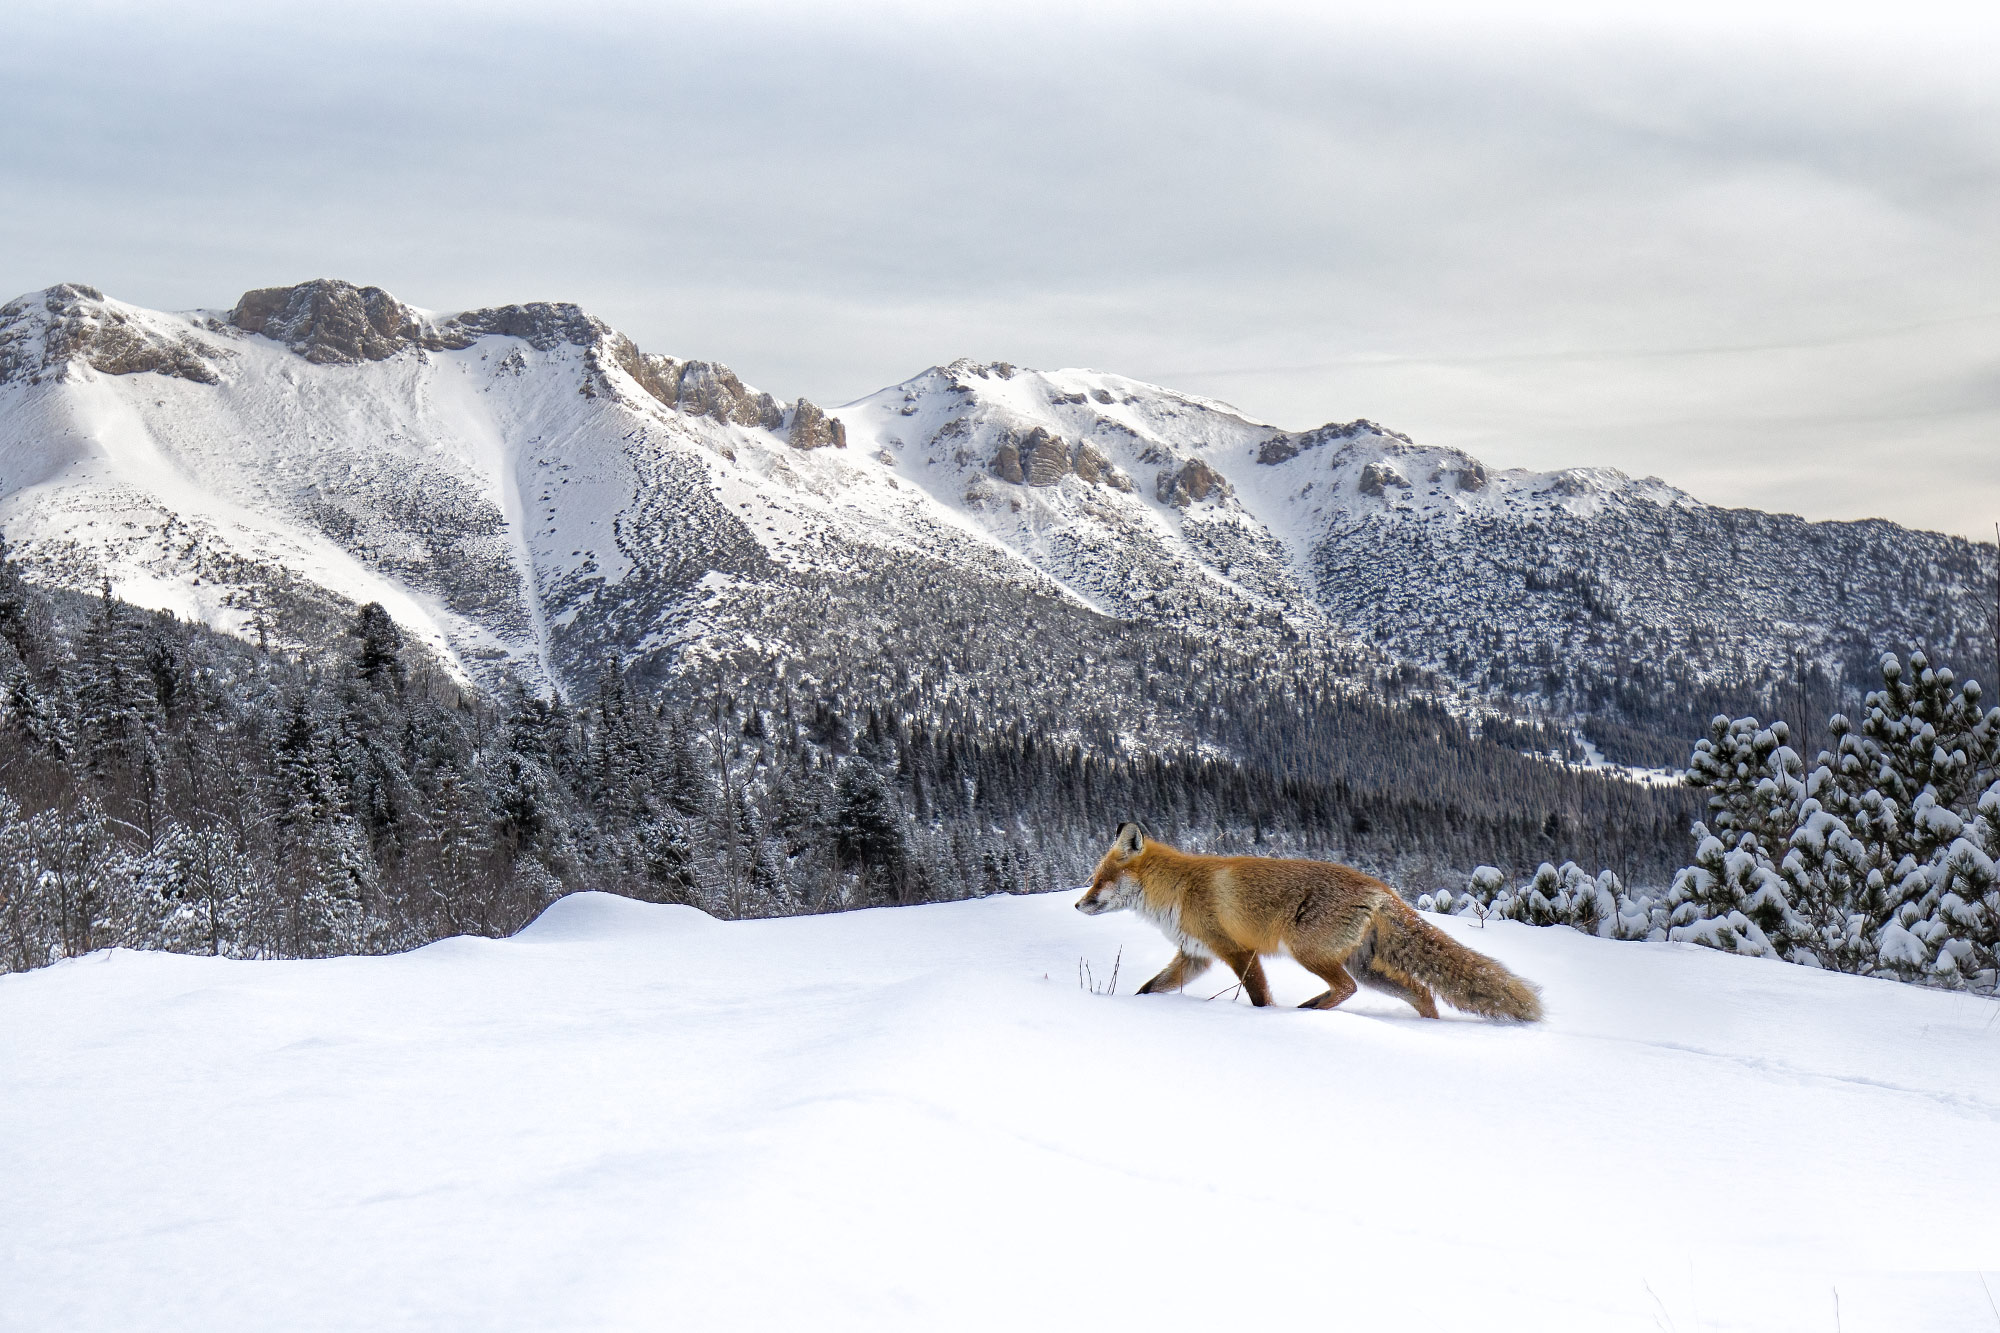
x: 1757, y: 256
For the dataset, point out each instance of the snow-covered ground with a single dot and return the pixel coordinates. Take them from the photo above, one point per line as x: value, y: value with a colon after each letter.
x: 636, y: 1117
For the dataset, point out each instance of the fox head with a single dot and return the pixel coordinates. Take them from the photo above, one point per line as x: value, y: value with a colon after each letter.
x: 1114, y: 887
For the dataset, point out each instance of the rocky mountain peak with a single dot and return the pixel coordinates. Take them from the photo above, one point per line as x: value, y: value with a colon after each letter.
x: 1287, y: 445
x: 330, y: 322
x: 543, y: 325
x: 43, y: 333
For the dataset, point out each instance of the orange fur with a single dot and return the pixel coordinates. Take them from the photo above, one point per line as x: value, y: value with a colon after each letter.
x: 1339, y: 923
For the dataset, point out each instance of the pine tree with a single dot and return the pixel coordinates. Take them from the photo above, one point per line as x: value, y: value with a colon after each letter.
x: 115, y: 695
x: 322, y: 856
x: 197, y: 889
x: 1964, y: 928
x: 1750, y: 772
x: 1726, y: 898
x: 1922, y: 731
x: 27, y: 935
x: 1904, y: 783
x: 667, y: 853
x: 868, y: 827
x: 378, y: 654
x: 1825, y: 871
x: 18, y: 606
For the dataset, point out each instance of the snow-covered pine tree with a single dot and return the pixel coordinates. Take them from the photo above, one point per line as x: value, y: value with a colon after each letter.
x: 685, y: 773
x: 25, y: 627
x: 1725, y: 898
x: 1733, y: 897
x: 324, y: 865
x: 196, y: 891
x: 667, y: 853
x: 1964, y: 927
x: 1567, y: 895
x: 378, y: 652
x: 116, y: 700
x: 868, y: 830
x: 36, y: 713
x: 1922, y: 729
x: 1905, y: 783
x: 28, y: 935
x: 1825, y: 870
x: 1749, y: 772
x: 81, y: 876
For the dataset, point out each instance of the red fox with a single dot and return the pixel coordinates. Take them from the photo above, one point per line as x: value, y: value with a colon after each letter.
x: 1340, y: 924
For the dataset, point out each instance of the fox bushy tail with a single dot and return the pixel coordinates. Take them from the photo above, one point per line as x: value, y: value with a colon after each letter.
x: 1467, y: 979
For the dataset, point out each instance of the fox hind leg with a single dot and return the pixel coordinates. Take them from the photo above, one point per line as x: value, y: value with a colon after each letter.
x: 1185, y: 968
x: 1379, y: 976
x: 1339, y: 985
x: 1334, y: 950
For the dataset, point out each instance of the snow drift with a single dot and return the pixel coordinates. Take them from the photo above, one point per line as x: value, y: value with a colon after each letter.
x: 632, y: 1116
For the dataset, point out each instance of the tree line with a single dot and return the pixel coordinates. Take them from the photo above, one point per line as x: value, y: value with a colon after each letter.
x: 166, y: 786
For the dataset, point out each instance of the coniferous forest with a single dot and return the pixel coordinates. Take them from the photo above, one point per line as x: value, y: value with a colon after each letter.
x: 1880, y: 858
x: 165, y: 786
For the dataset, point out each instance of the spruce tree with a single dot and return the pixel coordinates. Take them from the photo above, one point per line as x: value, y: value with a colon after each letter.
x: 868, y: 827
x: 17, y: 607
x: 378, y: 652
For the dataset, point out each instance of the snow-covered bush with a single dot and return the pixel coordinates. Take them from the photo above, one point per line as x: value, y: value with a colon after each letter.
x: 1564, y: 895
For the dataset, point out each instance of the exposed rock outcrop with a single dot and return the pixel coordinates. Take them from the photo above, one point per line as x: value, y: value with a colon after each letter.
x: 1040, y: 457
x: 43, y: 332
x: 1377, y: 477
x: 1283, y: 448
x: 1006, y: 464
x: 1045, y: 458
x: 812, y: 428
x: 543, y: 325
x: 330, y: 322
x: 1191, y: 483
x: 1090, y: 465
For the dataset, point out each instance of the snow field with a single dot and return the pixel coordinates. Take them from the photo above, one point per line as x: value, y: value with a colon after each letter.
x: 633, y: 1116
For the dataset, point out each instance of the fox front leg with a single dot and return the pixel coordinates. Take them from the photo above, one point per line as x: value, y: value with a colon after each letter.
x: 1185, y: 968
x: 1249, y: 969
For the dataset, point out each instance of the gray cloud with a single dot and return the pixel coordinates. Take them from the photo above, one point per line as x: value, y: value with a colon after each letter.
x: 1757, y: 265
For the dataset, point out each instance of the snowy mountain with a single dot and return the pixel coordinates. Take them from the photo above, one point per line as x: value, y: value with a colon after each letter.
x: 1584, y: 586
x: 530, y: 494
x: 484, y: 475
x: 632, y: 1114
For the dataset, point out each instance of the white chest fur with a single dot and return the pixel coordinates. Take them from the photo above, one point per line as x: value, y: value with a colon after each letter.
x: 1168, y: 919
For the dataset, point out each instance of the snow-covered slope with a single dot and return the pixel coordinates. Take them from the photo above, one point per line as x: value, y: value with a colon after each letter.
x: 633, y: 1116
x: 532, y: 495
x: 488, y: 476
x: 1106, y: 484
x: 1498, y: 578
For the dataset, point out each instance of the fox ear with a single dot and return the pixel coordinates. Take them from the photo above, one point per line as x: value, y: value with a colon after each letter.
x: 1131, y: 840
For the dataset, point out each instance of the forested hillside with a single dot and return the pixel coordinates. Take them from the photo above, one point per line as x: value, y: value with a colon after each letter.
x: 167, y: 786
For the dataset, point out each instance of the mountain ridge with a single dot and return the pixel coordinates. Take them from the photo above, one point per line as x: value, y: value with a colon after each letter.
x: 530, y: 494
